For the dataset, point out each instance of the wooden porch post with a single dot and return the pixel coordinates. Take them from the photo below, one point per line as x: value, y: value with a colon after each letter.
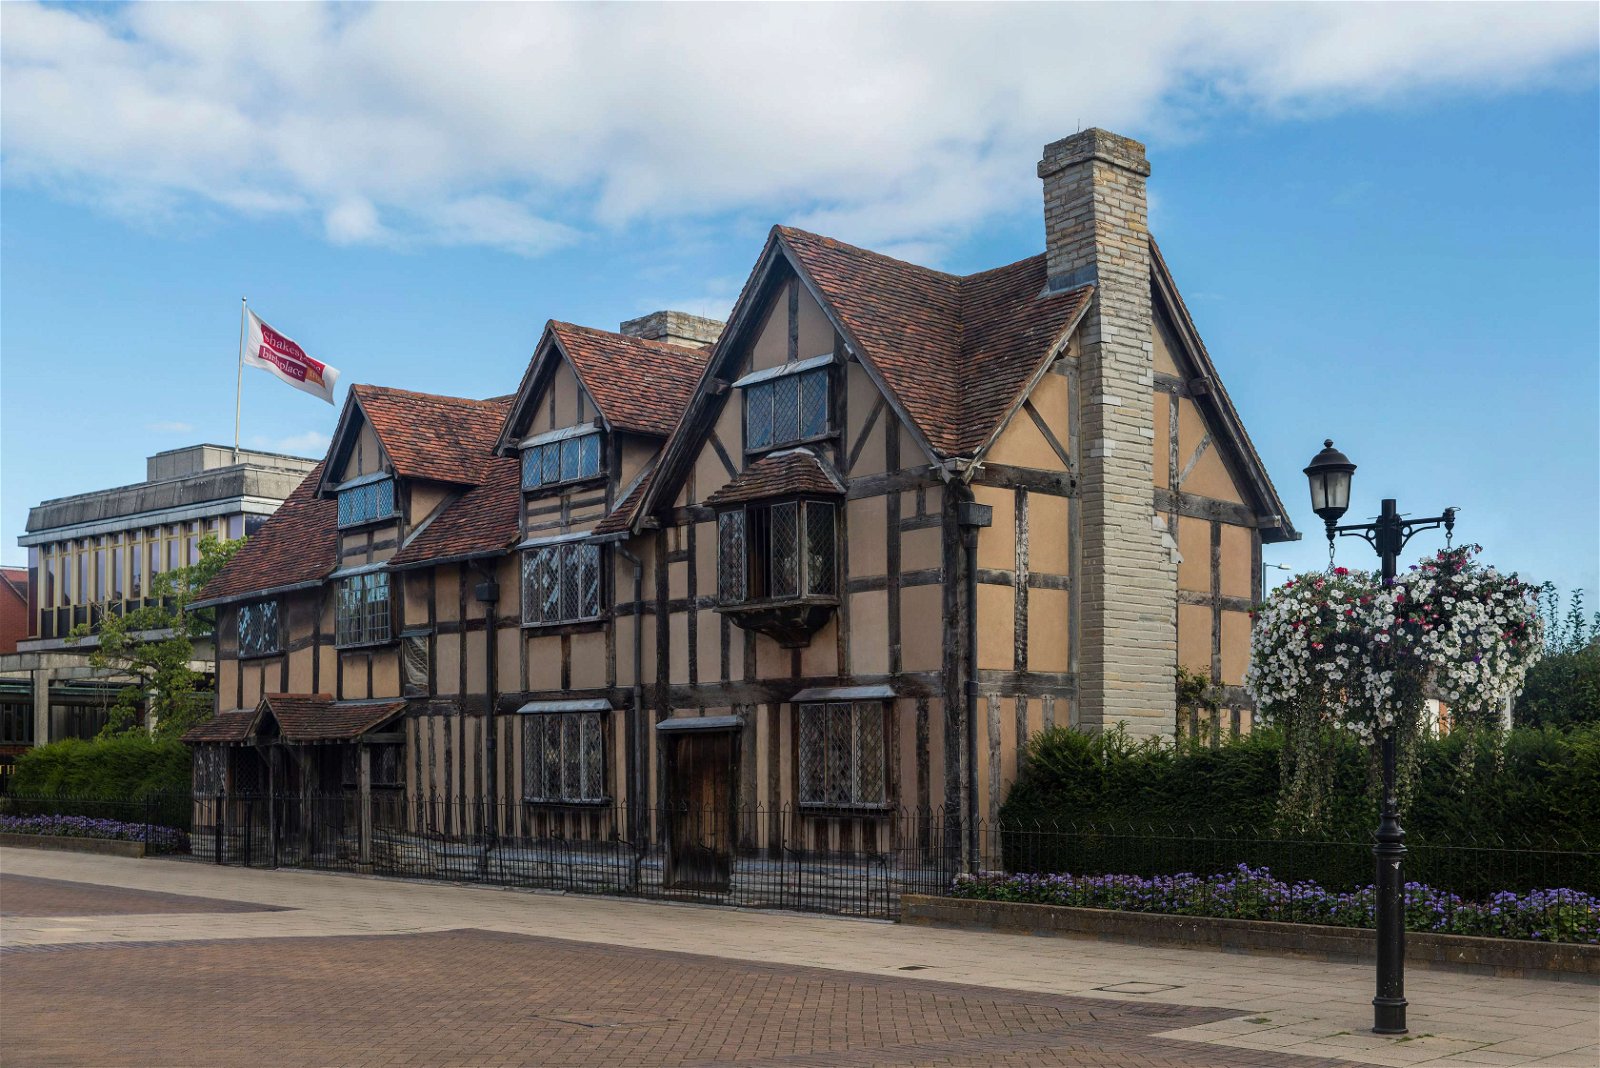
x: 365, y: 787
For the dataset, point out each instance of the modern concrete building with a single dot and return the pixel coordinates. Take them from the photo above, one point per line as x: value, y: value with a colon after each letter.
x: 93, y: 553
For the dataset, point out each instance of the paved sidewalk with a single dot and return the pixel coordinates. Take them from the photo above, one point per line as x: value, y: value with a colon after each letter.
x: 1302, y: 1008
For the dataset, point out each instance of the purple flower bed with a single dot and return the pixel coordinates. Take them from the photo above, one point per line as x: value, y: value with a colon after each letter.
x: 169, y: 838
x: 1247, y: 893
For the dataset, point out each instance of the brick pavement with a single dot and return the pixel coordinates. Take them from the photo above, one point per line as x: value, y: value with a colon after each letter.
x: 26, y: 895
x: 486, y: 998
x: 1262, y: 1007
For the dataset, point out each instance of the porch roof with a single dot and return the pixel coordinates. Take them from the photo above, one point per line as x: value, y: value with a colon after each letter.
x: 319, y: 718
x: 235, y: 725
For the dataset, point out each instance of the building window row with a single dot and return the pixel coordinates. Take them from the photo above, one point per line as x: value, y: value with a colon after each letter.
x: 366, y: 503
x: 557, y: 462
x: 363, y: 614
x: 561, y: 583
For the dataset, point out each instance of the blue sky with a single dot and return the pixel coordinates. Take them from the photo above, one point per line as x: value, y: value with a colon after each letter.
x: 1385, y: 222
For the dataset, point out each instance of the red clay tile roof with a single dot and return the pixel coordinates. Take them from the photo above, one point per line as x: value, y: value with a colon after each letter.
x: 445, y: 439
x: 317, y: 717
x: 955, y: 351
x: 640, y: 386
x: 299, y: 543
x: 234, y: 726
x: 620, y: 518
x: 780, y: 474
x: 484, y: 519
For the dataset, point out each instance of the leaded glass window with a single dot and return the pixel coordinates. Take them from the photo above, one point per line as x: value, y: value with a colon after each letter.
x: 414, y: 664
x: 787, y: 549
x: 556, y: 462
x: 786, y: 409
x: 362, y: 615
x: 842, y: 754
x: 561, y: 583
x: 258, y: 628
x: 366, y: 503
x: 210, y: 763
x: 563, y: 757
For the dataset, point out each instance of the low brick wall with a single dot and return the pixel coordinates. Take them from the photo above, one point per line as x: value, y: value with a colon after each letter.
x: 104, y: 846
x: 1490, y: 956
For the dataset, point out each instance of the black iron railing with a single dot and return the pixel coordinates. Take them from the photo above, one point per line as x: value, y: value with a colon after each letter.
x: 849, y: 861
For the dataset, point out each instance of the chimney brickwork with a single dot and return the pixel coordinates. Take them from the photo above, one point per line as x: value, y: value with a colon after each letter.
x: 674, y: 327
x: 1097, y: 231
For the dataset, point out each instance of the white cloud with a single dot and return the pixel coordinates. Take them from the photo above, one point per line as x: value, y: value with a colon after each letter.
x: 310, y: 443
x: 170, y: 427
x: 520, y: 126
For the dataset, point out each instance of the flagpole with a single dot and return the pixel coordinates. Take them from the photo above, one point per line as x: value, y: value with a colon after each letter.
x: 238, y: 389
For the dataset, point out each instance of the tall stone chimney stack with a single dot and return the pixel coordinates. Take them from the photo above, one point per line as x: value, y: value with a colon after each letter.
x: 1097, y: 231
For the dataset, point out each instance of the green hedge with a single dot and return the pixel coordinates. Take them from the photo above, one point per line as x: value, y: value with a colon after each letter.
x: 124, y: 768
x: 1540, y: 785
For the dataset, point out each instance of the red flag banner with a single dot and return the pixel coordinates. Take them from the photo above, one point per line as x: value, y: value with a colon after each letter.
x: 269, y: 350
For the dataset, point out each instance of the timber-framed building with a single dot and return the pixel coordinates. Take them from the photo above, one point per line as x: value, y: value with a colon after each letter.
x: 836, y: 558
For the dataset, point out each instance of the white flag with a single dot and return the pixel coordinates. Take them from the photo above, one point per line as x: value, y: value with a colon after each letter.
x: 269, y: 350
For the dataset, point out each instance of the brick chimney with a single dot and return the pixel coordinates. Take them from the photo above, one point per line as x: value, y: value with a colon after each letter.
x: 674, y: 327
x: 1097, y: 231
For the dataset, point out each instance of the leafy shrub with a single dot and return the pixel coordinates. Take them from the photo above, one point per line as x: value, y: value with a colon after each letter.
x: 1247, y: 893
x: 1535, y: 786
x: 124, y: 767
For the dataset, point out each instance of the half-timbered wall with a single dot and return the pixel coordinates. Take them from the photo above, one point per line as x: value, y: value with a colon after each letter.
x: 1199, y: 497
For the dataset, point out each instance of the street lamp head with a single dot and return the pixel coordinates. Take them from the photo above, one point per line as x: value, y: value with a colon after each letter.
x: 1329, y: 474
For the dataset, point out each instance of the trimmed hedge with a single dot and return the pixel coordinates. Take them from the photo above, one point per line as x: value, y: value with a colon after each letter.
x: 123, y: 768
x: 1541, y: 786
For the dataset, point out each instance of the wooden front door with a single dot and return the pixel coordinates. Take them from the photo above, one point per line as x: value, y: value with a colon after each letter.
x: 700, y: 810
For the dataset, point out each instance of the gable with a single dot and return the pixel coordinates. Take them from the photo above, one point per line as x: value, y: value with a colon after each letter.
x: 1210, y: 455
x: 363, y: 455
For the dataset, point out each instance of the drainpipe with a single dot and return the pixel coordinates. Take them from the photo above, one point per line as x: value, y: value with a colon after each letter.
x: 636, y: 767
x: 972, y: 517
x: 488, y: 595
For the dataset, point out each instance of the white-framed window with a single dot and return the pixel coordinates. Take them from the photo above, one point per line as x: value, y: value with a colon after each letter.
x: 366, y: 503
x: 568, y: 460
x: 843, y: 758
x: 258, y: 629
x: 362, y: 615
x: 561, y: 583
x: 786, y: 549
x: 563, y: 757
x: 786, y: 409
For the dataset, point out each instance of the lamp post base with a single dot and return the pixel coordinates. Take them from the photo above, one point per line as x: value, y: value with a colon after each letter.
x: 1389, y: 1016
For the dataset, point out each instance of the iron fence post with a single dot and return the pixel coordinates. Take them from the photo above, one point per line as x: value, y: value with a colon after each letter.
x: 220, y: 824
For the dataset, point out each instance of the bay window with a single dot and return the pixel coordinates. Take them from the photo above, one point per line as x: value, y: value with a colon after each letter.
x: 785, y: 550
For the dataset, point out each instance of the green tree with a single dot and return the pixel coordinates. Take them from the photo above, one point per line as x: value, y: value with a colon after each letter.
x: 1563, y: 689
x: 153, y: 646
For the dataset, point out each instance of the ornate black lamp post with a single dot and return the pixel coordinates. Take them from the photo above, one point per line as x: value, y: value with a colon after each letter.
x: 1329, y: 474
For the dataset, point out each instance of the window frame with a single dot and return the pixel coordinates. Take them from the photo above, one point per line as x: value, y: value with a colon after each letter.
x: 577, y: 555
x: 366, y: 613
x: 590, y: 728
x: 769, y: 392
x: 557, y: 447
x: 368, y: 484
x: 412, y: 661
x: 276, y: 626
x: 805, y: 584
x: 874, y: 711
